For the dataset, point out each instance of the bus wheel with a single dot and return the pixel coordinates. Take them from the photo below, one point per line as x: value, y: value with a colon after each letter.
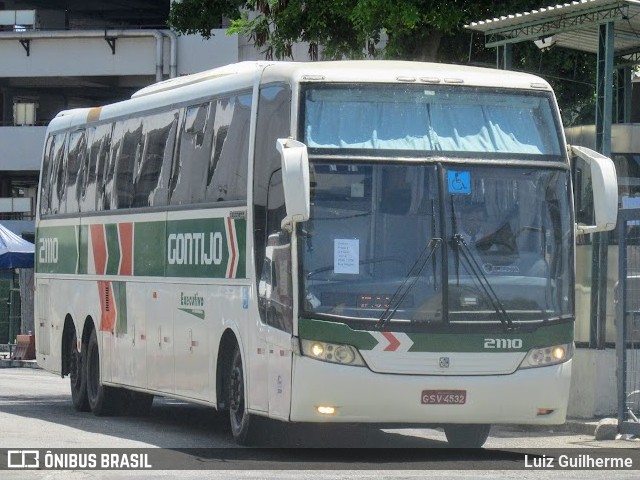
x: 78, y: 376
x: 102, y: 400
x: 241, y: 421
x: 467, y: 436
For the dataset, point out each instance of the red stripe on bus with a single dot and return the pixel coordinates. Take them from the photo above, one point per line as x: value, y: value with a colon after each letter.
x: 126, y: 248
x: 394, y: 343
x: 232, y: 245
x: 107, y: 305
x: 99, y: 245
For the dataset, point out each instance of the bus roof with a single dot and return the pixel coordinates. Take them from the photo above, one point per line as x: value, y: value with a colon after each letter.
x: 391, y: 71
x: 378, y: 71
x: 243, y: 75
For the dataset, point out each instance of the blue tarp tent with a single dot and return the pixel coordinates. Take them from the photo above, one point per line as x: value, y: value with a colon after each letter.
x: 14, y: 251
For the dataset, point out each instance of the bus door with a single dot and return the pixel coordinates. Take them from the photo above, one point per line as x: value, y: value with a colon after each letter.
x: 275, y: 301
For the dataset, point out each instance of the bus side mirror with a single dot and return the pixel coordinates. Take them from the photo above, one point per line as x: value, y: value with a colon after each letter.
x: 604, y: 188
x: 295, y: 181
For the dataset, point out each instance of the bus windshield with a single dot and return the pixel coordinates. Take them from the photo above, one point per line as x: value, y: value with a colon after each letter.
x: 433, y: 118
x: 502, y: 244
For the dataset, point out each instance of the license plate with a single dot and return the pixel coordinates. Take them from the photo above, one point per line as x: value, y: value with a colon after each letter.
x: 444, y: 397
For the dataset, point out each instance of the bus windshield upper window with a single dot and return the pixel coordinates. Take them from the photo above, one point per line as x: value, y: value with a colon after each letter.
x: 448, y: 119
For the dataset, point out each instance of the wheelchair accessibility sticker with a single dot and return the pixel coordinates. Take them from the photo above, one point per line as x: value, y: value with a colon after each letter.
x: 459, y: 182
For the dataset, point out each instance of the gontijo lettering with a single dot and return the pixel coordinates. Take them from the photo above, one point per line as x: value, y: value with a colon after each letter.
x: 194, y: 248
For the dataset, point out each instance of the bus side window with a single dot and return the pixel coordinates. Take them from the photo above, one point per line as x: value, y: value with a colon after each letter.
x: 76, y: 154
x: 129, y: 157
x: 86, y: 171
x: 194, y: 150
x: 57, y: 178
x: 151, y: 176
x: 99, y: 154
x: 109, y: 199
x: 45, y: 180
x: 273, y: 122
x: 277, y: 291
x: 227, y: 170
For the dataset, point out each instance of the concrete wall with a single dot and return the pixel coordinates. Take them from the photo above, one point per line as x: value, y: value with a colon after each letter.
x: 594, y: 387
x: 83, y: 56
x: 593, y: 384
x: 196, y: 54
x: 78, y: 57
x: 21, y: 147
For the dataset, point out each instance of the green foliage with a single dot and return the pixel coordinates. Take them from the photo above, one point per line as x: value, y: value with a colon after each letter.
x: 281, y: 23
x: 202, y: 16
x: 425, y: 30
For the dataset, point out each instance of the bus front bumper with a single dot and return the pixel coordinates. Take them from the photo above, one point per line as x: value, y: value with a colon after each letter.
x: 358, y: 395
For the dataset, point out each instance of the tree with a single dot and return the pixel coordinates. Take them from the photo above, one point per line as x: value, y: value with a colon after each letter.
x: 345, y: 28
x: 202, y: 16
x: 426, y: 30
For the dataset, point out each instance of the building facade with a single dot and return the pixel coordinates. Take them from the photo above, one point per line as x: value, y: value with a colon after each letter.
x: 62, y: 54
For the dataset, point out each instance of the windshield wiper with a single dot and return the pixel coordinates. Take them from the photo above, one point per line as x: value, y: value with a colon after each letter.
x: 483, y: 281
x: 408, y: 283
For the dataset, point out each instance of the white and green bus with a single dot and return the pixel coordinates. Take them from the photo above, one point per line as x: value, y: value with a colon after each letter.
x: 300, y: 241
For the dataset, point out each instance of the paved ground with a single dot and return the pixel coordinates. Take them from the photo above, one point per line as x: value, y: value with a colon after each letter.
x: 36, y: 413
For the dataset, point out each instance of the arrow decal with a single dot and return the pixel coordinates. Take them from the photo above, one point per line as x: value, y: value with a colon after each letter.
x: 392, y: 342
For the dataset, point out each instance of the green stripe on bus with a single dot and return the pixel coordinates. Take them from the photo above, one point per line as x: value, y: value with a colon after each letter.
x: 113, y: 249
x: 120, y: 296
x: 83, y: 250
x: 335, y: 332
x: 543, y: 336
x: 57, y: 250
x: 196, y: 248
x: 149, y: 249
x: 241, y: 233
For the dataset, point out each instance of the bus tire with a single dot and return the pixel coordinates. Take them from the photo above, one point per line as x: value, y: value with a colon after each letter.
x: 102, y: 400
x: 467, y: 436
x: 77, y: 375
x: 242, y: 422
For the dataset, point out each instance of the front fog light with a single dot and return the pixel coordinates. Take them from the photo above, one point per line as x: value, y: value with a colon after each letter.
x: 331, y: 352
x: 543, y: 357
x: 326, y: 410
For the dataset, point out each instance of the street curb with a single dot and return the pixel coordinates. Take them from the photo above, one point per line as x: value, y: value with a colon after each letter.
x: 5, y: 363
x: 573, y: 425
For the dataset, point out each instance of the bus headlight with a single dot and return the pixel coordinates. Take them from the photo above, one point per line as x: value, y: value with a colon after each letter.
x: 543, y: 357
x: 331, y: 352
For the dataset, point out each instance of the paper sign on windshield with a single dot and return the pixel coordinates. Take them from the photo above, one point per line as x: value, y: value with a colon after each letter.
x: 346, y: 256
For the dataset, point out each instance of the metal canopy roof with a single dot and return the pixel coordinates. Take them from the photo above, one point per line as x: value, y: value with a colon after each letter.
x: 609, y: 28
x: 572, y: 25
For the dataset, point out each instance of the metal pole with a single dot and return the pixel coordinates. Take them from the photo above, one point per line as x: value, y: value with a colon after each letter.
x: 507, y: 58
x: 604, y: 100
x: 621, y: 314
x: 604, y: 112
x: 504, y: 56
x: 628, y: 89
